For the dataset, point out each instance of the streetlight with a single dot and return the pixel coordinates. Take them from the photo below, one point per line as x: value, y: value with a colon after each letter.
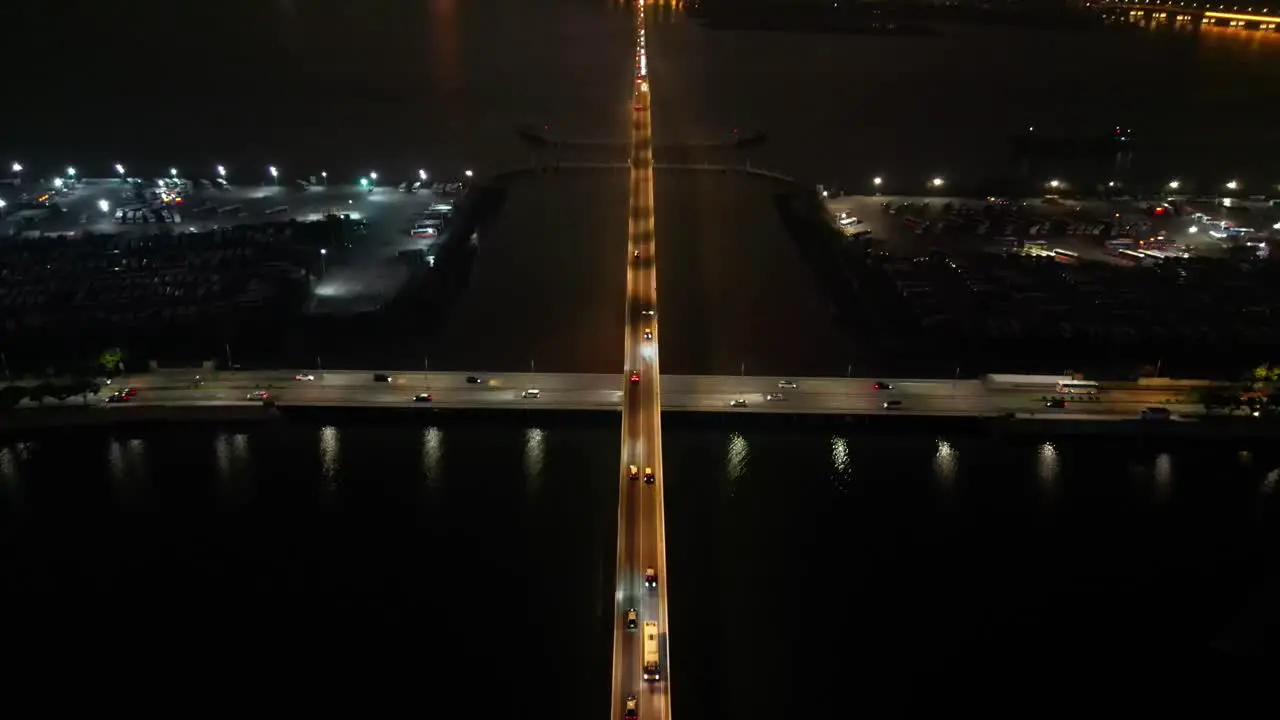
x: 364, y: 183
x: 422, y: 175
x: 173, y: 172
x: 373, y: 176
x: 877, y: 181
x: 104, y: 206
x: 937, y: 182
x: 120, y: 169
x: 324, y: 176
x: 1233, y: 185
x: 468, y: 173
x: 1055, y: 184
x: 323, y: 270
x: 71, y: 172
x: 17, y: 170
x: 57, y: 182
x: 222, y: 171
x: 275, y: 174
x: 1174, y: 184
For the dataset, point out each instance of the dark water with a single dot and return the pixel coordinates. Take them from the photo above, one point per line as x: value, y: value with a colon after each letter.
x: 305, y: 84
x: 473, y: 564
x: 342, y: 558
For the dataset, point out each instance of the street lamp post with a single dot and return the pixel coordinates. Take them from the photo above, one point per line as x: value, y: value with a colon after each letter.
x: 17, y: 170
x: 877, y: 181
x: 323, y: 268
x: 120, y: 170
x: 324, y: 176
x: 275, y: 175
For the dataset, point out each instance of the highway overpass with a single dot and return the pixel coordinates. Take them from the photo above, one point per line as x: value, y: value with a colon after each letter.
x: 607, y: 392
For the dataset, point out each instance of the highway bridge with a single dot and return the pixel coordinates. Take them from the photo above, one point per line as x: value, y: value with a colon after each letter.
x: 641, y: 639
x: 1255, y: 15
x: 609, y: 392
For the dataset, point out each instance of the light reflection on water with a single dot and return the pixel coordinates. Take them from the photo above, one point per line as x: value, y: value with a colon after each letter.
x: 127, y: 465
x: 329, y: 454
x: 1163, y: 472
x: 1048, y: 471
x: 736, y: 456
x: 231, y: 463
x: 946, y: 460
x: 432, y: 449
x: 842, y: 468
x: 533, y: 457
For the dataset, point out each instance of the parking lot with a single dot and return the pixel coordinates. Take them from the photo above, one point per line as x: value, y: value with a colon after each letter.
x: 1091, y: 229
x: 1111, y: 288
x: 361, y: 278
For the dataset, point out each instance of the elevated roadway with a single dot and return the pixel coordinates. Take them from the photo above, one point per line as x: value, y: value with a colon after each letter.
x: 641, y: 668
x: 606, y: 392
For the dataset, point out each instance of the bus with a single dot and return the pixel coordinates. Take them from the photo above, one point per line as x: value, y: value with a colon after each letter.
x: 651, y: 664
x: 1077, y: 387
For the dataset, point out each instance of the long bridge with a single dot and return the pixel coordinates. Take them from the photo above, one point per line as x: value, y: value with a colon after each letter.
x: 738, y: 394
x: 1255, y: 15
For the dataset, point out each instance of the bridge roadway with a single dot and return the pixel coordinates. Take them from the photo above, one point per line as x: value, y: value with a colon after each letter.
x: 641, y: 523
x: 606, y: 392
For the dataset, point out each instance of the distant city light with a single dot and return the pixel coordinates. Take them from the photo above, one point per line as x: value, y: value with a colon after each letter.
x: 364, y: 182
x: 57, y: 182
x: 937, y: 182
x: 71, y: 171
x: 17, y: 167
x: 273, y: 171
x: 1055, y: 184
x: 373, y: 176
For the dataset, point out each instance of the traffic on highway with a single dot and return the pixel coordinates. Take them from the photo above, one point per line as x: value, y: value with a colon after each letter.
x: 641, y: 678
x: 691, y: 393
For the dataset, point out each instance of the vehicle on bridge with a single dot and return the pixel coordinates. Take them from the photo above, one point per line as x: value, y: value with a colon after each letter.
x: 473, y: 380
x: 652, y: 670
x: 633, y: 472
x: 423, y: 397
x: 650, y: 578
x: 882, y: 385
x: 774, y: 397
x: 304, y: 377
x: 648, y: 475
x: 632, y: 616
x: 892, y: 404
x: 531, y: 394
x: 739, y: 403
x: 648, y: 334
x: 1078, y: 387
x: 258, y: 395
x: 787, y: 384
x: 635, y: 376
x: 632, y: 712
